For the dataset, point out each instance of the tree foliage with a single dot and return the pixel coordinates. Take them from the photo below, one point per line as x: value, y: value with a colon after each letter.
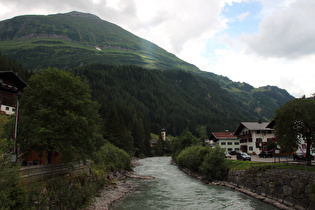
x: 12, y: 193
x: 192, y: 157
x: 111, y: 158
x: 184, y: 140
x: 296, y: 118
x: 214, y: 166
x: 9, y: 64
x: 210, y: 162
x: 57, y: 114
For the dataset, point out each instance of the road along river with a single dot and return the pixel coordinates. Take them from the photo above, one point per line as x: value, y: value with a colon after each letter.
x: 173, y: 189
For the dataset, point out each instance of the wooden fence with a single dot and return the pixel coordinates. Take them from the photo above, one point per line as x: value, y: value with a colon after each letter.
x: 46, y: 171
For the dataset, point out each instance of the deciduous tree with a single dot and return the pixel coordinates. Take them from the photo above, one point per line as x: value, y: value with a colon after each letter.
x: 57, y: 114
x: 293, y: 119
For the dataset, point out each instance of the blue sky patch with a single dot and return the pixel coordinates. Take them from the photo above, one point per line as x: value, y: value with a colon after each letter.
x: 250, y: 22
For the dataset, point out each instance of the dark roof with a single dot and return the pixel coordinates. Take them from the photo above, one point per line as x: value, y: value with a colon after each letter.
x: 11, y: 81
x: 272, y: 124
x: 253, y: 126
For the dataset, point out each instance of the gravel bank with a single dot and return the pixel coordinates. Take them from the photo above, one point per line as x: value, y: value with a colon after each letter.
x: 112, y: 193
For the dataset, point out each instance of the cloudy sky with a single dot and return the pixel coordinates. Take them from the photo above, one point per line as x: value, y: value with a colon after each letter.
x: 260, y: 42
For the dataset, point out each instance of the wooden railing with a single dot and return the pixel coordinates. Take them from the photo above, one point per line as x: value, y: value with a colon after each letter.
x: 46, y: 171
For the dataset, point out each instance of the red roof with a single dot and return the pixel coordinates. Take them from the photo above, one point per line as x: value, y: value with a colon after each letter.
x: 223, y: 135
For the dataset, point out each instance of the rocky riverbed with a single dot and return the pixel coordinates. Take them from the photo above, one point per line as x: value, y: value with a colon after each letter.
x: 121, y: 186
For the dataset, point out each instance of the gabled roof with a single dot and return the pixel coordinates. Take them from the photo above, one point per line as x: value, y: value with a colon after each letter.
x: 10, y: 81
x: 272, y: 124
x: 223, y: 135
x: 253, y: 126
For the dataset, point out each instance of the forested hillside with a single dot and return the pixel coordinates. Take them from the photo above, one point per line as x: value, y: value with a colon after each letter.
x: 172, y: 99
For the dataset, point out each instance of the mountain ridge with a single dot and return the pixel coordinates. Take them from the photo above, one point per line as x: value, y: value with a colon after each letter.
x: 88, y: 34
x: 74, y: 40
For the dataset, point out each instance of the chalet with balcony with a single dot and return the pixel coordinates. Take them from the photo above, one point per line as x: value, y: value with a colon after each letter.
x: 226, y: 140
x: 254, y: 136
x: 11, y: 87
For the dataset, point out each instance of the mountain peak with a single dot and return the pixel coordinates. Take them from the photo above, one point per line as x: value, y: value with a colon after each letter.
x: 80, y: 14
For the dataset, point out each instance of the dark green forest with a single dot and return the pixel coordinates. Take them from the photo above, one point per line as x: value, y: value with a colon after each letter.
x: 171, y: 99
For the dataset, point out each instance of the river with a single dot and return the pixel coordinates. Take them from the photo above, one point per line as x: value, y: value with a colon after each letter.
x: 173, y: 189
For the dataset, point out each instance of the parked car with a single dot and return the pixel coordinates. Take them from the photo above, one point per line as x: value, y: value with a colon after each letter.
x: 227, y: 155
x: 234, y: 153
x: 301, y: 156
x: 243, y: 156
x: 265, y: 154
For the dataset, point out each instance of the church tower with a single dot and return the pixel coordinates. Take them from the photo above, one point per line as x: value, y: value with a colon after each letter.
x: 163, y: 134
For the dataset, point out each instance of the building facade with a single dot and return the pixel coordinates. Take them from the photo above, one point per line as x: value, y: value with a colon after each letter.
x: 8, y: 110
x: 254, y: 136
x: 226, y: 140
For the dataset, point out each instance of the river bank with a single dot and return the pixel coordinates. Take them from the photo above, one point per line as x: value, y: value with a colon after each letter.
x: 248, y: 192
x: 121, y: 186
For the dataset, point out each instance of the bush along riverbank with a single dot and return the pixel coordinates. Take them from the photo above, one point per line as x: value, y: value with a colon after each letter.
x: 283, y: 188
x: 70, y: 191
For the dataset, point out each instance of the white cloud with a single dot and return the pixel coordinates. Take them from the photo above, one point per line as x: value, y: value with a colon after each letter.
x: 287, y: 32
x: 242, y: 16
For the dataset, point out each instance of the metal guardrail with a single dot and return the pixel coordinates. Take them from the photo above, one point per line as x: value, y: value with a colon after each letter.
x: 46, y: 171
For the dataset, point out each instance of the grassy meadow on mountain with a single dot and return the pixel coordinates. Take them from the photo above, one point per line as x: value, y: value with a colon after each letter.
x: 74, y: 39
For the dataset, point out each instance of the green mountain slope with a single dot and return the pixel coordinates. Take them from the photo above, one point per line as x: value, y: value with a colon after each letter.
x: 74, y: 39
x: 263, y: 101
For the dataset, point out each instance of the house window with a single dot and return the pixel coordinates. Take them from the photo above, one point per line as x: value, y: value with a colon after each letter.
x: 250, y: 148
x: 7, y: 108
x: 250, y: 140
x: 258, y: 132
x: 243, y: 140
x: 223, y: 143
x: 229, y: 143
x: 269, y: 132
x: 229, y: 149
x: 236, y: 143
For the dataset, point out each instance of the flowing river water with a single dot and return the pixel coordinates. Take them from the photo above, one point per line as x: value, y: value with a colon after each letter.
x: 173, y: 189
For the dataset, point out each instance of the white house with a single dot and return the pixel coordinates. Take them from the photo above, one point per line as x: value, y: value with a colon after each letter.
x: 254, y: 136
x: 7, y: 109
x: 226, y: 140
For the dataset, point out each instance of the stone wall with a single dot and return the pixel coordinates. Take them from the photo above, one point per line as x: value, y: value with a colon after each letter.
x: 294, y: 189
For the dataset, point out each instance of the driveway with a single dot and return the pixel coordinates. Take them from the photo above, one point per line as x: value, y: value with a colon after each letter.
x: 276, y: 159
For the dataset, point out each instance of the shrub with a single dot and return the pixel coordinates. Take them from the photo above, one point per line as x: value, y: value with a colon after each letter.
x: 12, y: 194
x: 214, y: 166
x: 110, y: 158
x: 192, y: 157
